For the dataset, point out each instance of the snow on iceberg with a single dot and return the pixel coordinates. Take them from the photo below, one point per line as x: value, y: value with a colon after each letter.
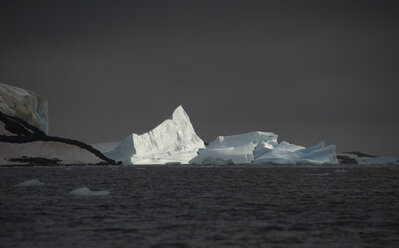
x: 237, y: 149
x: 84, y: 191
x: 285, y: 153
x: 262, y: 148
x: 174, y: 140
x: 29, y: 183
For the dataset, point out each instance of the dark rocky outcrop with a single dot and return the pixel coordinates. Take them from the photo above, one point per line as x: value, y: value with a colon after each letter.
x: 19, y: 127
x: 35, y: 160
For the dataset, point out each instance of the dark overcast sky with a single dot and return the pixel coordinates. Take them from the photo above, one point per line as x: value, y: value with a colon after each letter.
x: 306, y: 70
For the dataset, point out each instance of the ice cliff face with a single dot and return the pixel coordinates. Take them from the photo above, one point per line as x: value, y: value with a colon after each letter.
x: 25, y: 105
x: 262, y: 148
x: 173, y: 141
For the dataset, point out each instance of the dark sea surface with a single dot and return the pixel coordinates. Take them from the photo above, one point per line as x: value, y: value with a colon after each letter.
x: 171, y: 206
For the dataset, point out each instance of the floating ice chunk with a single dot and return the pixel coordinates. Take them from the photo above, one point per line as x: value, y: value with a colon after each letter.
x: 29, y: 183
x: 84, y: 191
x: 174, y: 140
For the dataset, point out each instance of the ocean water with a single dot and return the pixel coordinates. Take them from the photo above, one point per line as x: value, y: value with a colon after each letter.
x: 171, y: 206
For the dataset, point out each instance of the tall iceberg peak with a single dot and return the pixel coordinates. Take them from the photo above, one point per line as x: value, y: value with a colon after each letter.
x: 172, y: 141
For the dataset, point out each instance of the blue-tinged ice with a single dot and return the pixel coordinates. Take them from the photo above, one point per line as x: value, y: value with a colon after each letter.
x: 262, y: 148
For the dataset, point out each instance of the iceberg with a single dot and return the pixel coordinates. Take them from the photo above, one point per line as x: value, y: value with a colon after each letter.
x: 236, y: 149
x: 285, y: 153
x: 172, y: 141
x: 262, y: 148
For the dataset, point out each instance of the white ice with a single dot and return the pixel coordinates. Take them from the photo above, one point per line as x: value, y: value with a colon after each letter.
x: 173, y: 141
x: 285, y: 153
x: 84, y: 191
x: 237, y: 149
x: 262, y: 148
x: 29, y: 183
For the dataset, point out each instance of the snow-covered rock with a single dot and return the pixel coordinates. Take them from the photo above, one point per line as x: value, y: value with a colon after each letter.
x: 23, y: 139
x: 25, y: 105
x: 174, y: 140
x: 48, y: 150
x: 262, y: 148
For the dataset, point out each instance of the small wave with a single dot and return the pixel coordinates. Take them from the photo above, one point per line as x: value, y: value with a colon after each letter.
x: 341, y: 171
x: 84, y: 191
x: 317, y: 174
x: 29, y: 183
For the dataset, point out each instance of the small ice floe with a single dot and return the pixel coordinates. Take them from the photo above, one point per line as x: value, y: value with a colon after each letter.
x: 341, y: 171
x: 29, y: 183
x: 84, y: 191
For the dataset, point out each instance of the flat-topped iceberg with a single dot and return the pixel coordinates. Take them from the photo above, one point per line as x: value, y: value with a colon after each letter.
x: 173, y: 141
x: 236, y: 149
x: 262, y: 148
